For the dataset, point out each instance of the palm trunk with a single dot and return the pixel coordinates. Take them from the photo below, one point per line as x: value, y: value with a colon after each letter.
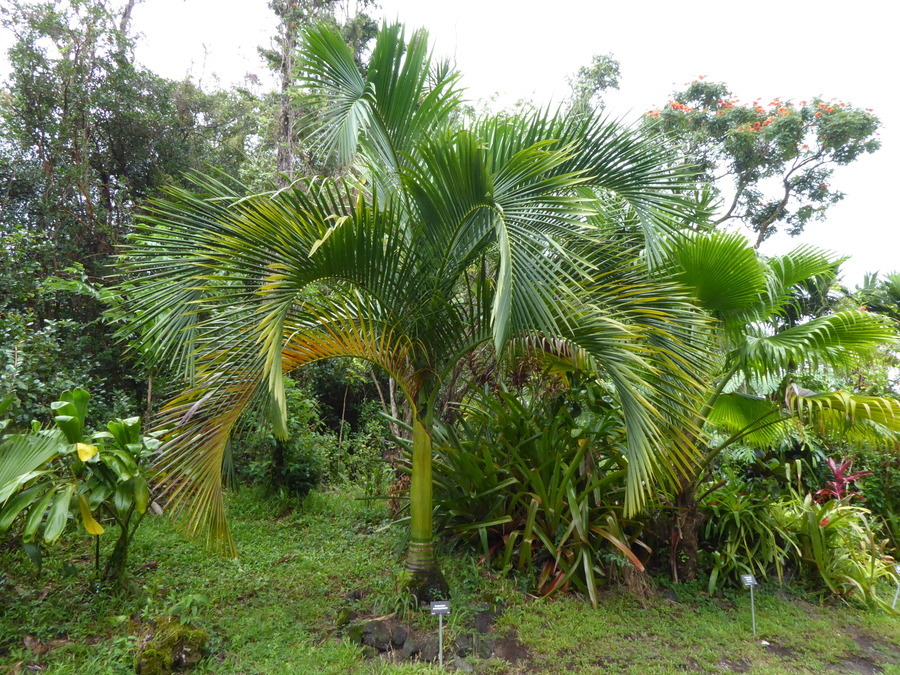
x: 421, y: 545
x: 427, y: 583
x: 684, y: 538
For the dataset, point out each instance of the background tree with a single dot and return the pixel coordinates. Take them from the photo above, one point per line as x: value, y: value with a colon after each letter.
x: 294, y: 16
x: 85, y: 137
x: 771, y: 163
x: 591, y: 82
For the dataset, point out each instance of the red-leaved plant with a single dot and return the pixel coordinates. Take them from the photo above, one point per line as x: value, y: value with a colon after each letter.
x: 839, y: 487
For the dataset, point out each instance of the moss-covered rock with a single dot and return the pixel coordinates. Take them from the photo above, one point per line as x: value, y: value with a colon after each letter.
x: 151, y: 661
x: 170, y: 646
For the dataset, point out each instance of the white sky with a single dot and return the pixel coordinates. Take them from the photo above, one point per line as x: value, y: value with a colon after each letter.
x: 526, y: 49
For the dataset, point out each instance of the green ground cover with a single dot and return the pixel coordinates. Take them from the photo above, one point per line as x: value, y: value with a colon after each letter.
x: 276, y: 608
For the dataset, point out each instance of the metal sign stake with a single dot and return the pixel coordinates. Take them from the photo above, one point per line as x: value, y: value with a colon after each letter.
x: 753, y: 610
x: 750, y: 581
x: 440, y: 608
x: 897, y: 592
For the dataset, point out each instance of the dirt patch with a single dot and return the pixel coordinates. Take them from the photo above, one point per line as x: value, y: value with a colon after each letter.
x: 730, y: 666
x: 874, y: 649
x: 780, y: 651
x: 511, y: 650
x: 858, y: 664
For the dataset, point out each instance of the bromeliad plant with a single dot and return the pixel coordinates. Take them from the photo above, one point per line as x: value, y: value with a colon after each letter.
x: 839, y: 546
x: 536, y: 489
x: 839, y: 487
x: 49, y: 476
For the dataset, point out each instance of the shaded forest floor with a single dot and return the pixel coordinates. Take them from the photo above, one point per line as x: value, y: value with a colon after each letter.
x: 306, y: 576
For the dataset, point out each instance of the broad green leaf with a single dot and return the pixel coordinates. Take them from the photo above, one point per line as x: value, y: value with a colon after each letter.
x: 59, y: 513
x: 124, y: 496
x: 36, y: 515
x: 70, y: 426
x: 141, y: 493
x: 16, y: 505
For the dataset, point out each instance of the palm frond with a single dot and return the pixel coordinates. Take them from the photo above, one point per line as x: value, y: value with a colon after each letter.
x: 835, y: 340
x: 753, y: 420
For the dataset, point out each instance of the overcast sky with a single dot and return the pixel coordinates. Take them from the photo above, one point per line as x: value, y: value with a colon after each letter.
x: 524, y: 49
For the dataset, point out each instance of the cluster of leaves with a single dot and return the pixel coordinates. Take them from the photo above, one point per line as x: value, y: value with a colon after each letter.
x: 313, y: 453
x: 538, y: 486
x: 774, y: 160
x: 51, y: 476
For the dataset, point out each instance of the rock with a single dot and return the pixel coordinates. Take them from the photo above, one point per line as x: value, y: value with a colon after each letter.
x: 462, y: 665
x: 670, y: 595
x: 353, y: 596
x: 483, y: 621
x: 399, y: 635
x: 377, y: 634
x: 410, y: 647
x: 171, y: 646
x: 369, y: 652
x: 483, y: 648
x: 153, y: 662
x: 430, y: 650
x: 463, y: 645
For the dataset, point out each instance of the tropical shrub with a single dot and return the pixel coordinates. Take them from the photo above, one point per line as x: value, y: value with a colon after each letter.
x: 881, y: 488
x: 741, y: 536
x: 830, y: 543
x: 312, y: 454
x: 839, y: 547
x: 51, y: 476
x: 292, y: 467
x: 538, y: 485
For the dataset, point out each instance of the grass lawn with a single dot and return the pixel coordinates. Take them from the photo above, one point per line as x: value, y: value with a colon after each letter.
x: 275, y: 609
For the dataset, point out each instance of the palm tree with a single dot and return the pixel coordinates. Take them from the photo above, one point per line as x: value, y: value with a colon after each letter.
x: 772, y: 320
x: 444, y: 237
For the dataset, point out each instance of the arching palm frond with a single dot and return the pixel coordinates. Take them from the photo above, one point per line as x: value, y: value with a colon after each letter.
x: 836, y: 340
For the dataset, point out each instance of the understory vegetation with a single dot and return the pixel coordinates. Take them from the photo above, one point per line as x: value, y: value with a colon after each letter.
x: 277, y: 608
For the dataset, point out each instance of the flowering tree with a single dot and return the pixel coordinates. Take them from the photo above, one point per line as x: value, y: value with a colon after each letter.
x: 773, y: 161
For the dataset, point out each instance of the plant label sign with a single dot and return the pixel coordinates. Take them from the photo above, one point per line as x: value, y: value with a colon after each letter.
x: 442, y: 607
x: 749, y: 580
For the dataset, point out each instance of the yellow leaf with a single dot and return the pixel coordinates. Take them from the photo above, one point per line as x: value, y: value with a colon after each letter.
x: 91, y: 525
x: 85, y: 451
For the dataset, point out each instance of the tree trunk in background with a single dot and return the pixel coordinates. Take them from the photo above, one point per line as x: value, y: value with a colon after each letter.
x: 284, y: 140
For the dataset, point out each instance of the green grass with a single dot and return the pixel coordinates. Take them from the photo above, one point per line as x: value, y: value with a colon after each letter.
x: 274, y: 609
